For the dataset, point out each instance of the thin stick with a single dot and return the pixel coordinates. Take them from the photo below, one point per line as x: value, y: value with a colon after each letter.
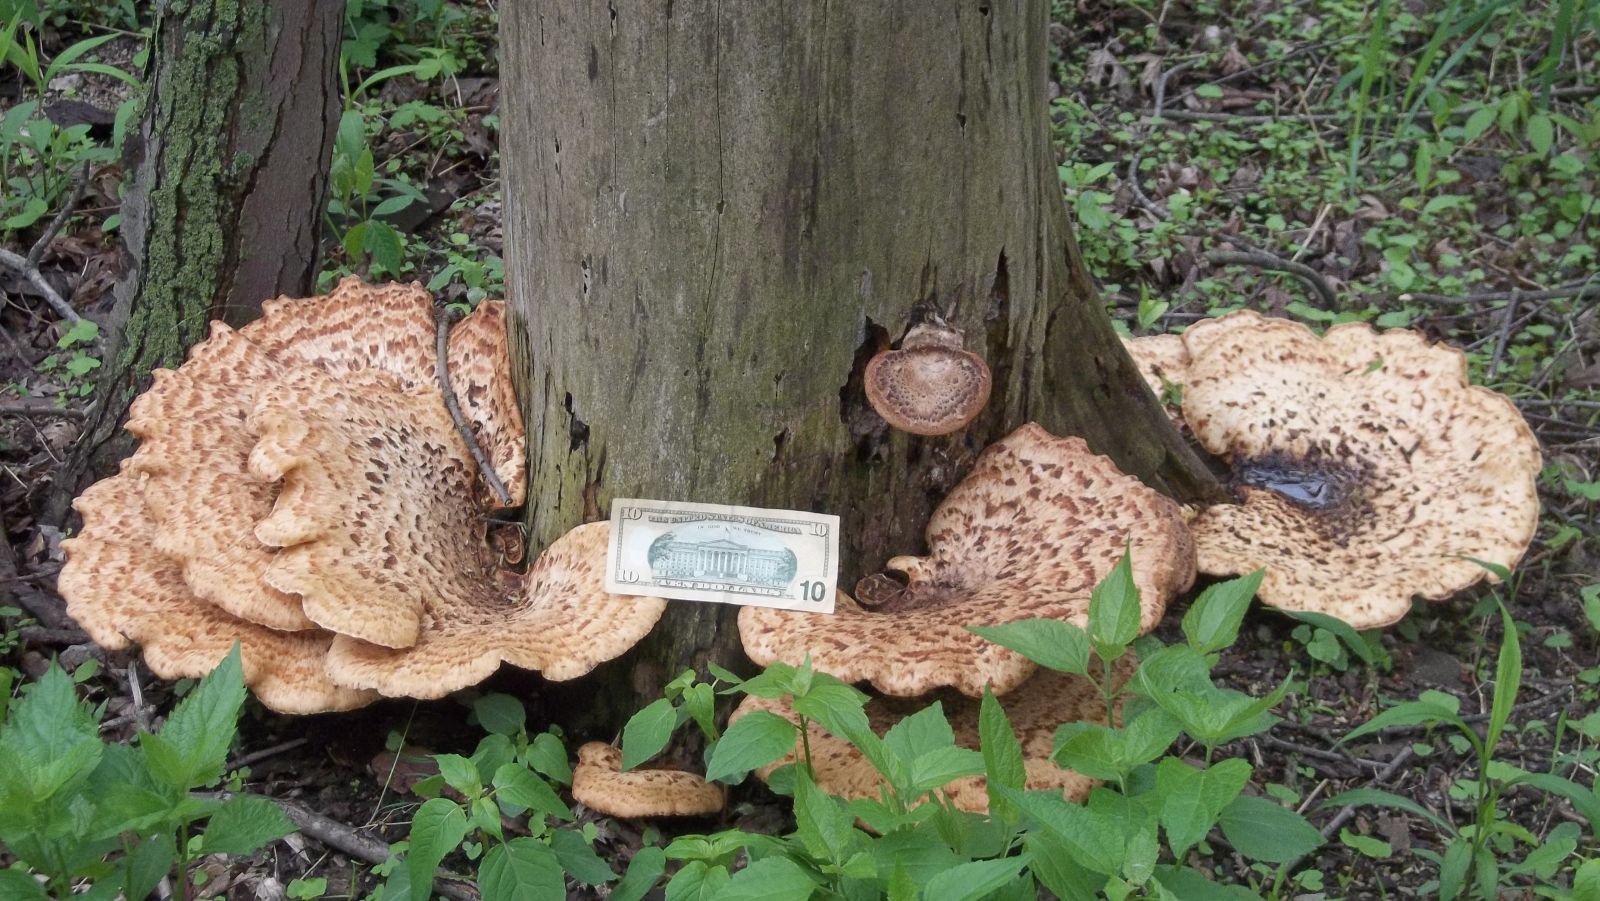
x: 1576, y: 289
x: 441, y: 366
x: 338, y: 836
x: 41, y: 407
x: 257, y: 756
x: 31, y: 274
x: 80, y: 181
x: 1264, y: 260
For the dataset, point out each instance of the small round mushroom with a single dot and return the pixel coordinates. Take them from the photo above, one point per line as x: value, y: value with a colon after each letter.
x: 930, y: 386
x: 1038, y: 522
x: 122, y: 591
x: 1369, y: 468
x: 558, y: 620
x: 1036, y: 709
x: 599, y: 784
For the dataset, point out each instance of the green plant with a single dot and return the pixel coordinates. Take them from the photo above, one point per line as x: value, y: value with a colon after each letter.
x: 919, y: 846
x: 99, y: 820
x: 76, y: 358
x: 509, y: 775
x: 1331, y: 641
x: 1475, y: 854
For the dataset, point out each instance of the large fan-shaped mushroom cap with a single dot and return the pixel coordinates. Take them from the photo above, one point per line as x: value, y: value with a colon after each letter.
x: 1035, y: 709
x: 1370, y: 469
x: 1032, y: 529
x: 930, y: 386
x: 121, y: 590
x: 557, y: 619
x: 599, y: 783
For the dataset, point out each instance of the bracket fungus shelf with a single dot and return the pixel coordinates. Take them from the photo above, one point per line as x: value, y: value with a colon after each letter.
x: 931, y: 385
x: 303, y: 489
x: 1369, y: 471
x: 1038, y: 522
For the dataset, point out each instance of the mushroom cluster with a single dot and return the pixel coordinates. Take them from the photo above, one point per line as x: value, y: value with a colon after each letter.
x: 302, y: 488
x: 1036, y: 524
x: 1368, y: 470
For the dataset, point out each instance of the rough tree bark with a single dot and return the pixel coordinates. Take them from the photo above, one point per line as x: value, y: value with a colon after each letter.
x: 229, y: 185
x: 717, y: 211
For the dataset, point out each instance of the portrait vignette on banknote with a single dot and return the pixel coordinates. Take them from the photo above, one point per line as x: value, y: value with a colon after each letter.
x: 722, y: 553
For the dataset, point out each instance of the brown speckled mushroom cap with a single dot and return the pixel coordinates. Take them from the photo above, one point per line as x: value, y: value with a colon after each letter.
x: 1030, y: 531
x: 599, y: 783
x: 122, y: 590
x: 930, y: 386
x: 1369, y: 467
x: 558, y: 619
x: 1163, y: 360
x: 1035, y: 709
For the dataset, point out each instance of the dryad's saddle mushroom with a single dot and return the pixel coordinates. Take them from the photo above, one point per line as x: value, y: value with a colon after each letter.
x: 302, y: 489
x: 599, y: 783
x: 1370, y: 471
x: 1033, y: 528
x: 930, y: 386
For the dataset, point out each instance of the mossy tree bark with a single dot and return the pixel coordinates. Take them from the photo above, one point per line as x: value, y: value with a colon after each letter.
x: 228, y: 191
x: 717, y: 211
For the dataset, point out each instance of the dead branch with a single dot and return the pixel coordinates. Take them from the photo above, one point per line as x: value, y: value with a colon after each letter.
x: 1263, y: 260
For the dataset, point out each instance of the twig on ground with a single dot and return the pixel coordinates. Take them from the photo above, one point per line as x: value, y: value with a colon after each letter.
x: 1503, y: 335
x: 38, y: 406
x: 1319, y: 753
x: 1263, y: 260
x: 80, y: 181
x: 1349, y: 810
x: 441, y: 365
x: 31, y: 274
x: 1576, y: 289
x: 374, y: 850
x: 136, y: 691
x: 45, y: 635
x: 256, y: 757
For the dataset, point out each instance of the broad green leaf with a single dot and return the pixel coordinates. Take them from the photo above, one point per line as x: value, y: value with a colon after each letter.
x: 494, y: 751
x: 820, y: 821
x: 1262, y: 830
x: 1585, y: 801
x: 700, y: 703
x: 548, y: 755
x: 644, y: 870
x: 1541, y: 133
x: 647, y: 732
x: 1051, y: 643
x: 1056, y: 868
x: 921, y: 732
x: 1586, y: 881
x: 147, y: 865
x: 920, y: 851
x: 202, y: 726
x: 520, y: 868
x: 1193, y: 799
x: 386, y: 245
x: 937, y: 767
x: 516, y: 784
x: 1212, y: 621
x: 975, y: 879
x: 1365, y: 845
x: 437, y: 829
x: 1114, y: 613
x: 754, y: 740
x: 1092, y: 840
x: 49, y: 745
x: 1453, y: 868
x: 243, y: 824
x: 1370, y: 651
x: 1189, y: 885
x: 459, y: 773
x: 1478, y: 123
x: 500, y: 714
x: 17, y: 885
x: 697, y: 881
x: 1003, y: 763
x: 769, y: 879
x: 579, y: 859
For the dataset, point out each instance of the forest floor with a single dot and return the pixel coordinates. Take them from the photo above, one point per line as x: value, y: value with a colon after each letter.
x: 1441, y: 176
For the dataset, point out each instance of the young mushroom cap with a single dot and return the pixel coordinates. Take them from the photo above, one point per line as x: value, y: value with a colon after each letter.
x: 1038, y: 522
x: 599, y: 784
x: 1370, y: 468
x: 930, y: 386
x: 558, y: 619
x: 1036, y: 709
x: 121, y: 590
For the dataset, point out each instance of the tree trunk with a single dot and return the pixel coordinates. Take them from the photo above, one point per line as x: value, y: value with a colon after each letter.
x: 717, y: 212
x: 229, y: 185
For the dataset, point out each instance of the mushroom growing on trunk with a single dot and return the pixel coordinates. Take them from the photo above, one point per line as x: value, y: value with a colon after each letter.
x: 931, y: 385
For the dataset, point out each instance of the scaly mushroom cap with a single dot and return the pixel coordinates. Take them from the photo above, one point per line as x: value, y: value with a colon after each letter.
x: 599, y: 783
x: 1369, y: 467
x: 559, y: 620
x: 1035, y: 710
x: 121, y: 590
x: 378, y: 513
x: 1163, y: 360
x: 930, y: 386
x: 391, y: 328
x: 1032, y: 529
